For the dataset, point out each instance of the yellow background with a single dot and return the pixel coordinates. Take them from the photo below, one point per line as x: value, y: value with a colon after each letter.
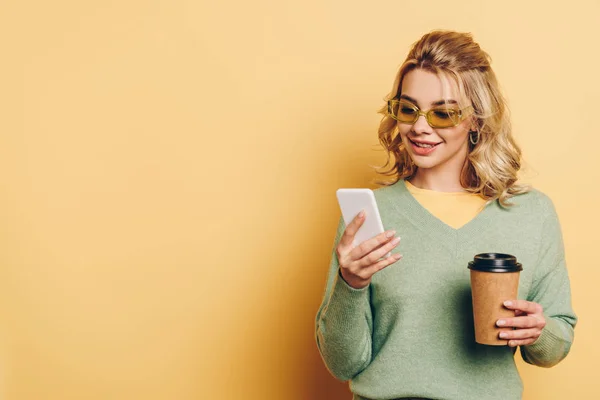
x: 168, y: 173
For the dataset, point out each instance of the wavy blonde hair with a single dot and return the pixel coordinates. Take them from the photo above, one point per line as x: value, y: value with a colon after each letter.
x: 492, y: 164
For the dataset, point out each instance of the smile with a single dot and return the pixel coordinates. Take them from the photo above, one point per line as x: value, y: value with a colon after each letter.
x: 426, y: 145
x: 423, y: 148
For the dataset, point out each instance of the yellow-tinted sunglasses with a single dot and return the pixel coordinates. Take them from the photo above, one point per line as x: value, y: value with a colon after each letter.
x: 438, y: 117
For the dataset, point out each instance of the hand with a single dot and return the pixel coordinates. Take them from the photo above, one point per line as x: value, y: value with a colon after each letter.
x: 529, y: 322
x: 359, y: 264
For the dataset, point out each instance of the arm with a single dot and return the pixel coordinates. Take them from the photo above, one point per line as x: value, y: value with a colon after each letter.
x: 551, y: 289
x: 344, y: 323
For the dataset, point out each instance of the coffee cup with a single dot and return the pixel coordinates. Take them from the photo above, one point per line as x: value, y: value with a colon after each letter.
x: 494, y: 279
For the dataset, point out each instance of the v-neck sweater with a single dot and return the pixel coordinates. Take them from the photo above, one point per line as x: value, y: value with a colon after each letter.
x: 452, y: 208
x: 410, y: 332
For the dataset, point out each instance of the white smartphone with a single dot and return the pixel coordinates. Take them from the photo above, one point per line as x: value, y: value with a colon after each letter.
x: 351, y: 202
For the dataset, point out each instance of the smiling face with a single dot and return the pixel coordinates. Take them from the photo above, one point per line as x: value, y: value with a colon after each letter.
x: 434, y: 149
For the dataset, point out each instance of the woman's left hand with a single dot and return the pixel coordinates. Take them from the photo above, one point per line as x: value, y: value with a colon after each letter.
x: 528, y: 322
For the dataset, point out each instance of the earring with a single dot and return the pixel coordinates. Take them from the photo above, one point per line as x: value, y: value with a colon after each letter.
x: 473, y: 142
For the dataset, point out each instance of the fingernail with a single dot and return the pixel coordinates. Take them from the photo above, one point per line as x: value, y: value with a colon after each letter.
x: 398, y: 256
x: 507, y: 303
x: 501, y: 322
x: 390, y: 234
x: 503, y: 335
x: 361, y: 214
x: 396, y: 241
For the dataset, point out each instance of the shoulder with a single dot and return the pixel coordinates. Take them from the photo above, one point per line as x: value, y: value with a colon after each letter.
x: 392, y: 192
x: 533, y: 202
x: 390, y: 188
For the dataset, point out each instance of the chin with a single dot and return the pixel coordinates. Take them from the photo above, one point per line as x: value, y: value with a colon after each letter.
x: 425, y: 164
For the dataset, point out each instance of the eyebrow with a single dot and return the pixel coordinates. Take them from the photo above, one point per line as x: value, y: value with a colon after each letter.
x: 435, y: 103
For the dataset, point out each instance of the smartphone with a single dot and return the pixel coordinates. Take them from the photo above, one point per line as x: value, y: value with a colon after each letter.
x: 351, y: 202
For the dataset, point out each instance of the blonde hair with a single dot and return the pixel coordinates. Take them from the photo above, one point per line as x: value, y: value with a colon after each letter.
x: 492, y: 164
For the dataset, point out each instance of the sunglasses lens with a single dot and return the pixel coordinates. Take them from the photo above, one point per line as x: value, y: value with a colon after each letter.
x: 444, y: 117
x: 405, y: 112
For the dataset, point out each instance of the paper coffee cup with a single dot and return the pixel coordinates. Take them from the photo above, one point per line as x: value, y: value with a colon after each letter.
x: 494, y: 279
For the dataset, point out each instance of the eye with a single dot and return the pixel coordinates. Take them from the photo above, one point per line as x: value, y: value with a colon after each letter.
x: 407, y: 110
x: 445, y: 114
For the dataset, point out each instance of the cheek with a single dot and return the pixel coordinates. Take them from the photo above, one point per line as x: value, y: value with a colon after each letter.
x: 402, y: 130
x: 456, y: 136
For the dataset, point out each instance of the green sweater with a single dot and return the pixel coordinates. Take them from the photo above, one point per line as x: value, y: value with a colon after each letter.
x: 410, y: 332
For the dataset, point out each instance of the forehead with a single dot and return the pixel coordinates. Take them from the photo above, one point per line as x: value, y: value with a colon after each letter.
x: 428, y: 88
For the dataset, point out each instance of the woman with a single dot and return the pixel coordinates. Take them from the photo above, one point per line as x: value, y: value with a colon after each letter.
x: 404, y: 329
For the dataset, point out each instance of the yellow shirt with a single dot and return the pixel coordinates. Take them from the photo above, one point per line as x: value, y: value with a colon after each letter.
x: 453, y: 208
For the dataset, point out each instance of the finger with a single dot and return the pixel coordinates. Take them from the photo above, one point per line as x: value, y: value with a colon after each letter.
x: 370, y: 271
x: 369, y: 245
x: 352, y: 228
x: 518, y: 322
x: 522, y: 342
x: 527, y: 306
x: 531, y: 333
x: 375, y: 255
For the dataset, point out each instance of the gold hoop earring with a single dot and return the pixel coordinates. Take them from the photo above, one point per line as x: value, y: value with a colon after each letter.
x: 474, y: 142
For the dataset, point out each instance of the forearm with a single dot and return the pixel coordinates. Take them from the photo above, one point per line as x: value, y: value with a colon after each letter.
x: 343, y: 330
x: 552, y: 346
x: 552, y: 290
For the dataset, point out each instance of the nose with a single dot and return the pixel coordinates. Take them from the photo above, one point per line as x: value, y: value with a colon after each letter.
x: 421, y: 126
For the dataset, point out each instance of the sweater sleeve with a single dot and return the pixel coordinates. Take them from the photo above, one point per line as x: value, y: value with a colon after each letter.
x: 551, y: 289
x: 344, y: 323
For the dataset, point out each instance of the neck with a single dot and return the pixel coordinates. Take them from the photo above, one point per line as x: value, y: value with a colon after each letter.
x: 440, y: 180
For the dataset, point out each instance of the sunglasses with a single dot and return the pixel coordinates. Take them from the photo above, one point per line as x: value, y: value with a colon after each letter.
x: 439, y: 117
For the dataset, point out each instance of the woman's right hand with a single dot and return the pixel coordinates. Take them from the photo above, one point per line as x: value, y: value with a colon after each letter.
x: 359, y: 264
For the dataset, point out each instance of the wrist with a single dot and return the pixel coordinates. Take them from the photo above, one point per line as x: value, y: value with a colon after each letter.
x: 352, y: 282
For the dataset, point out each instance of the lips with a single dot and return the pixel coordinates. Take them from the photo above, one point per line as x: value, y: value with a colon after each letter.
x: 423, y: 143
x: 422, y: 147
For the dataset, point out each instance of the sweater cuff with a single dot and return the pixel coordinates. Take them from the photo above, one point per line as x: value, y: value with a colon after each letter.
x: 551, y: 347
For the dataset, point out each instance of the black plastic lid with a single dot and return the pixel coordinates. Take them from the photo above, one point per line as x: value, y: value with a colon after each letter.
x: 495, y: 262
